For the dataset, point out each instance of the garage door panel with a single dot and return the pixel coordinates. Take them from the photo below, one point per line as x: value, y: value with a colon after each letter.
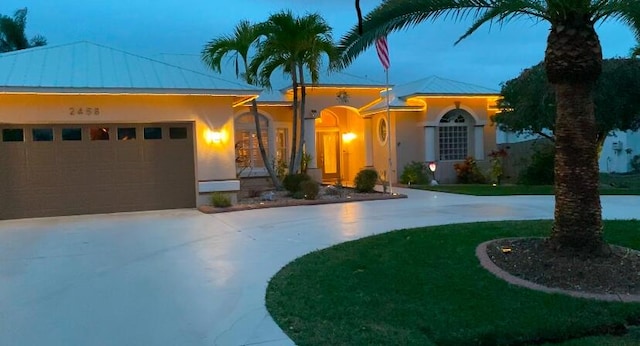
x: 68, y: 177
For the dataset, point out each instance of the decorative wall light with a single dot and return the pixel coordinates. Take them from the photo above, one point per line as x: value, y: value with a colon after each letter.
x: 313, y: 114
x: 348, y: 137
x: 212, y: 136
x: 342, y: 96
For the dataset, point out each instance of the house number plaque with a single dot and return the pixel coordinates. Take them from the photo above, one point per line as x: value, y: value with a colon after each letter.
x: 86, y: 111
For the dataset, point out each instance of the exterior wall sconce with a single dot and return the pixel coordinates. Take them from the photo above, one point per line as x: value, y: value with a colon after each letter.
x: 342, y: 96
x: 212, y: 137
x: 313, y: 114
x: 348, y: 137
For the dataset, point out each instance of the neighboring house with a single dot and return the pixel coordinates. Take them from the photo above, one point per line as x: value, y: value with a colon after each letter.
x: 91, y: 129
x: 618, y: 149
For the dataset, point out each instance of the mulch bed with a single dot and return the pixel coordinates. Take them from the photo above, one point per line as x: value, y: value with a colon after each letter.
x: 285, y: 201
x: 530, y: 259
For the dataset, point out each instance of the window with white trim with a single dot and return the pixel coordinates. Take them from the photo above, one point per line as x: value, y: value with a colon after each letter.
x: 248, y: 155
x: 453, y: 135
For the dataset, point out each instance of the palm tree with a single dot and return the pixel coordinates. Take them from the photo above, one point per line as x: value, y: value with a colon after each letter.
x: 293, y: 45
x: 635, y: 51
x: 12, y: 33
x: 573, y: 63
x: 245, y: 36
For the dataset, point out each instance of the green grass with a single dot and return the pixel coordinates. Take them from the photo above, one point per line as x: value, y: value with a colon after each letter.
x: 425, y: 286
x: 611, y: 184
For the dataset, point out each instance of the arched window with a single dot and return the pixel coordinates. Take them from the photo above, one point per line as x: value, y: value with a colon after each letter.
x: 247, y: 150
x: 453, y: 138
x: 275, y: 138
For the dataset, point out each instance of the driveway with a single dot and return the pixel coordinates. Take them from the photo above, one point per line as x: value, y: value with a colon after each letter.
x: 184, y: 278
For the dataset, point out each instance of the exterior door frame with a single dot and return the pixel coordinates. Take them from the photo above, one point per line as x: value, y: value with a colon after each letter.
x: 321, y: 153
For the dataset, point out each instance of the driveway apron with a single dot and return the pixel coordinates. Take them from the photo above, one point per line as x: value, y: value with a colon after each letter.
x: 180, y: 277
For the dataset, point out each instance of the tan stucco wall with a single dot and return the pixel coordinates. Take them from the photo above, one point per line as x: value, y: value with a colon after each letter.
x: 410, y: 129
x: 213, y: 161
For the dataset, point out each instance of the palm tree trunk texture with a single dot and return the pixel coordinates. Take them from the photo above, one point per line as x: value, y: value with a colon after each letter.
x: 294, y: 134
x: 303, y: 98
x: 573, y: 62
x: 578, y: 213
x: 263, y: 153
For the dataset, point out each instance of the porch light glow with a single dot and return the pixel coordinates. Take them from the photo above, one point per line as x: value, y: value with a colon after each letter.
x: 348, y: 137
x: 432, y: 166
x: 212, y: 136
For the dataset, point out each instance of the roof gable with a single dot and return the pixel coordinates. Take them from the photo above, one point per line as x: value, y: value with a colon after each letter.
x: 434, y: 85
x: 96, y: 68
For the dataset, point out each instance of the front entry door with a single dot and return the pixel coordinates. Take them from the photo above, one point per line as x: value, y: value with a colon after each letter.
x: 328, y: 154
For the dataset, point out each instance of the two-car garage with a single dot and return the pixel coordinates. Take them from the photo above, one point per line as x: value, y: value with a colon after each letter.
x: 68, y: 169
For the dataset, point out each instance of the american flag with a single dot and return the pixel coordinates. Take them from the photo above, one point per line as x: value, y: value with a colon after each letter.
x: 383, y: 51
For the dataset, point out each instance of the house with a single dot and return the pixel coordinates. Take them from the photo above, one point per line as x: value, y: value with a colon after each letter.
x: 90, y: 129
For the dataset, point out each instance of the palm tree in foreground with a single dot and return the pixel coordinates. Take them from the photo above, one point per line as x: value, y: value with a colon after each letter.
x: 245, y: 36
x: 573, y: 63
x: 12, y: 33
x: 293, y: 45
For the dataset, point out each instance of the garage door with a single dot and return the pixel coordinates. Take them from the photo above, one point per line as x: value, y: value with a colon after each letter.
x: 52, y: 170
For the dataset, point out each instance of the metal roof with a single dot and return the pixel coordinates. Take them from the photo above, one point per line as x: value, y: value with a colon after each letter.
x: 280, y: 82
x: 437, y: 86
x: 89, y: 67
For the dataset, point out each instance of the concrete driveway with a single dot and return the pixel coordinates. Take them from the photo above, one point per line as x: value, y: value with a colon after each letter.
x: 184, y: 278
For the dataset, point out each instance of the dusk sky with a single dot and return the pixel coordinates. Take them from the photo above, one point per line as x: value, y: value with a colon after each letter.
x: 489, y: 57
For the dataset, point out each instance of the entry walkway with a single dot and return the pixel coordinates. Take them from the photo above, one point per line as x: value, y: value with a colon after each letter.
x: 185, y: 278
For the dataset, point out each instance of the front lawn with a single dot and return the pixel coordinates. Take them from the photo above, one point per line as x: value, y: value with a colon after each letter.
x: 425, y: 286
x: 610, y: 184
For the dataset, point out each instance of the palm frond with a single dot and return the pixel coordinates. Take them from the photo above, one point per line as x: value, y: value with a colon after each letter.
x: 395, y: 15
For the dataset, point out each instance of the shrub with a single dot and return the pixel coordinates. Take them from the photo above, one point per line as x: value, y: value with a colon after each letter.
x: 540, y: 170
x: 366, y: 180
x: 415, y: 173
x: 468, y: 172
x: 220, y: 200
x: 496, y: 171
x: 635, y: 163
x: 309, y: 189
x: 292, y: 182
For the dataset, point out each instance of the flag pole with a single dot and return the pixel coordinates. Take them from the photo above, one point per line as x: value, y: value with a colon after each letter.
x: 386, y: 70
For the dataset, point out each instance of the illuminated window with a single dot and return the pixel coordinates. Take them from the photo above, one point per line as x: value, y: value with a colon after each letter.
x: 248, y: 155
x: 382, y: 130
x: 281, y: 144
x: 453, y: 137
x: 99, y: 133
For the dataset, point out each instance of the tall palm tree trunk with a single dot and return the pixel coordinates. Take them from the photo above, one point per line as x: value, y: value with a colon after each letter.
x: 263, y: 153
x: 303, y: 98
x: 573, y: 62
x: 578, y: 219
x: 294, y: 136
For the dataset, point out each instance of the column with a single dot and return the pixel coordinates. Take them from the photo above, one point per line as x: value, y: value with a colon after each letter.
x: 310, y: 141
x: 429, y: 143
x: 368, y: 142
x: 478, y: 152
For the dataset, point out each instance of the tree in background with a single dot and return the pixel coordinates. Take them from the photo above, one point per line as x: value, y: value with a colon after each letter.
x: 528, y: 104
x: 573, y: 64
x: 293, y: 45
x: 245, y: 36
x: 13, y: 35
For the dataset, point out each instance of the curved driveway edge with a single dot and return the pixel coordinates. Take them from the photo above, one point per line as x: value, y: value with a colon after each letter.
x: 487, y: 263
x: 180, y: 277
